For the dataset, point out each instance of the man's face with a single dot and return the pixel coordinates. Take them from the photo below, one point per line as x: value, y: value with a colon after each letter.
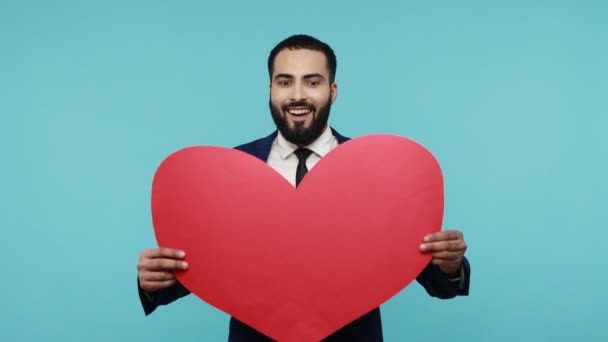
x: 301, y: 94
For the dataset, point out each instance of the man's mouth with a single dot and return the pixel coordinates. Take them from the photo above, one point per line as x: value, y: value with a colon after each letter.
x: 299, y: 111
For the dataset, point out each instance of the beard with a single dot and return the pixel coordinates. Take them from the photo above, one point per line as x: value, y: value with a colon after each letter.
x: 298, y: 134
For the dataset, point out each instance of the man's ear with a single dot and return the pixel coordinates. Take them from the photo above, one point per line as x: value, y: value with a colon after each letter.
x: 334, y: 92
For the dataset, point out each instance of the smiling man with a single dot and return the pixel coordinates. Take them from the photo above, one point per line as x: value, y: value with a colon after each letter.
x: 302, y: 73
x: 302, y: 91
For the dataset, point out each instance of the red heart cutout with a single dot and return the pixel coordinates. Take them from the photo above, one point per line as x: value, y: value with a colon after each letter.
x: 299, y: 264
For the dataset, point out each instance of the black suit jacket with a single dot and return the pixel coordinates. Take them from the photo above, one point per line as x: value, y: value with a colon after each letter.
x: 367, y: 328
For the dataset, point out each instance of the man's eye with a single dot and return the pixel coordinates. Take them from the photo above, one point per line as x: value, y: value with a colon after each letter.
x: 283, y: 83
x: 313, y: 83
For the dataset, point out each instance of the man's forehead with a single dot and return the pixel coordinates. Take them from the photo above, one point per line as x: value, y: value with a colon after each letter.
x: 300, y: 62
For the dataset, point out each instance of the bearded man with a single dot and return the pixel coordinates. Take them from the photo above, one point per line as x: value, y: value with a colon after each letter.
x: 302, y: 73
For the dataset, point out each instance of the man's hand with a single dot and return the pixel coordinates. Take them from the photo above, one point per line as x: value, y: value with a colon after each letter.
x: 156, y: 268
x: 448, y: 249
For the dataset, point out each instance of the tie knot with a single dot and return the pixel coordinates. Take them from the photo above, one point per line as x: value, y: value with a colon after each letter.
x: 302, y: 153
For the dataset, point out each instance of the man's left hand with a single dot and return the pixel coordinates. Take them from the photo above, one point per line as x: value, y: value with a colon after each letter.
x: 448, y: 249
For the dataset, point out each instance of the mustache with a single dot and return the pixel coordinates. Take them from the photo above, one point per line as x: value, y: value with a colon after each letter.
x: 299, y: 104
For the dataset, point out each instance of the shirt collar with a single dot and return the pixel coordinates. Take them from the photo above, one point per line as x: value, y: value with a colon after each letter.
x: 321, y: 146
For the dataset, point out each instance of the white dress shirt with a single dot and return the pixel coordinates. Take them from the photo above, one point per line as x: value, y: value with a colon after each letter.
x: 284, y: 161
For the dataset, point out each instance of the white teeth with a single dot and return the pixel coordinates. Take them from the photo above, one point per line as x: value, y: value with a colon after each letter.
x: 299, y: 111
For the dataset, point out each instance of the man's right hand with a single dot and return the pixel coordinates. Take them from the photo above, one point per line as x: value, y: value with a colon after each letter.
x: 156, y: 268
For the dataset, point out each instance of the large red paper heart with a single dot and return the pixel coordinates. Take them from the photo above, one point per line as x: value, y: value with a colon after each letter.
x: 299, y: 264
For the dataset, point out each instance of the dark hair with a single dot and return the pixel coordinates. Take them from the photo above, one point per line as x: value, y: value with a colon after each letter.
x: 302, y: 41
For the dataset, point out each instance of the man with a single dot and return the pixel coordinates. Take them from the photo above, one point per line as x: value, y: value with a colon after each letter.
x: 302, y: 89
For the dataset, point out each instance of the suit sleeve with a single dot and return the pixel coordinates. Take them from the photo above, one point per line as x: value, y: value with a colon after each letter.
x: 162, y: 297
x: 437, y: 284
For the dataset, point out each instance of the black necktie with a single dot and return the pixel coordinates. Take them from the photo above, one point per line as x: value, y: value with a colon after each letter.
x: 302, y: 154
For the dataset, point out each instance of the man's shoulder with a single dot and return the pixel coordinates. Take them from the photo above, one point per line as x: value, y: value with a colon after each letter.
x: 258, y: 143
x: 339, y: 137
x: 259, y: 147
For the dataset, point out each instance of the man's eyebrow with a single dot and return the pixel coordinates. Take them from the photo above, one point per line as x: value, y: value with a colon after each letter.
x: 307, y: 76
x: 283, y: 76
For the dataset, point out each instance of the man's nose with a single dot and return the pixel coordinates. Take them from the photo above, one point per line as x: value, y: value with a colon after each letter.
x: 298, y: 92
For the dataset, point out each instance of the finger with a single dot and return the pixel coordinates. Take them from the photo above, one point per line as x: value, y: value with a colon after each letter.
x: 163, y: 252
x: 156, y: 276
x: 444, y: 235
x: 447, y: 245
x: 155, y: 265
x: 156, y: 285
x: 168, y: 264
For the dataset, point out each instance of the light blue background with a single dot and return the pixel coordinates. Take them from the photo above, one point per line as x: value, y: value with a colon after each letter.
x: 510, y: 96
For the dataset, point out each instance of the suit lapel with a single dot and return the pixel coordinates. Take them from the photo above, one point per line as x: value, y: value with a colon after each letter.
x: 341, y: 139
